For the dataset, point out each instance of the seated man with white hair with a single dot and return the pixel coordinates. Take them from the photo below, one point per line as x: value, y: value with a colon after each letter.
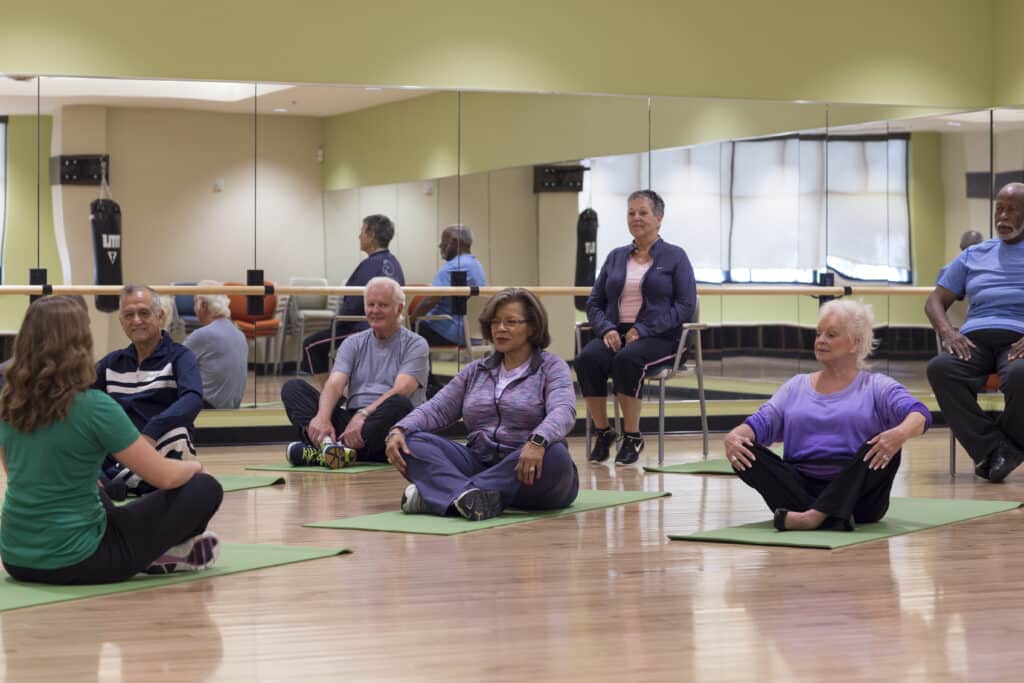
x: 383, y: 372
x: 221, y: 349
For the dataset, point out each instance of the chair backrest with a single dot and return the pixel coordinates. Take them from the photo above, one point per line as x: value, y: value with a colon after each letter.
x: 239, y: 310
x: 313, y: 302
x: 185, y: 303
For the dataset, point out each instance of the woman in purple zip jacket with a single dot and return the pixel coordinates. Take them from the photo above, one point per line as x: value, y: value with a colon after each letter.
x: 843, y: 429
x: 518, y: 405
x: 643, y: 295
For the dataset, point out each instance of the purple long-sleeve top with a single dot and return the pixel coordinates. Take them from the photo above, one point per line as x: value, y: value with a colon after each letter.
x: 540, y: 402
x: 822, y: 432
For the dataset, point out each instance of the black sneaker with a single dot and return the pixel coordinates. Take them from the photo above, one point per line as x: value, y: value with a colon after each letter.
x: 604, y: 439
x: 1005, y: 459
x: 629, y: 450
x: 478, y: 504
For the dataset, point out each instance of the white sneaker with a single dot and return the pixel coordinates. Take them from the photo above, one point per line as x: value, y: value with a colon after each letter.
x: 198, y: 552
x: 412, y: 502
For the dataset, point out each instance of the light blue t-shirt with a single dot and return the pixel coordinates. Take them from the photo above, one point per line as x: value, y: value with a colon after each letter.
x: 991, y: 276
x: 452, y: 330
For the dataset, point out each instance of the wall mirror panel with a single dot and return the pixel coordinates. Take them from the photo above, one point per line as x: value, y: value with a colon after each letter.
x: 215, y: 179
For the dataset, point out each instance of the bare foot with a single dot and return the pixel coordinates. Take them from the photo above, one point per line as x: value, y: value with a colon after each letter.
x: 805, y: 521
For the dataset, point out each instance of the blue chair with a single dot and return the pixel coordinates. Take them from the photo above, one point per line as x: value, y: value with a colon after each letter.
x: 186, y: 305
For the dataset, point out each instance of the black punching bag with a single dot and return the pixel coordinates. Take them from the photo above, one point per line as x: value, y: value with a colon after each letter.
x: 586, y: 253
x: 105, y: 215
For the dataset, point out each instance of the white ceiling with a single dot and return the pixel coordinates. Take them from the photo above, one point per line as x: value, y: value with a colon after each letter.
x: 19, y: 96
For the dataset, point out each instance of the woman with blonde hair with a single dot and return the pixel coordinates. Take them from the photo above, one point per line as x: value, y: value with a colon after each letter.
x: 58, y: 526
x: 842, y: 427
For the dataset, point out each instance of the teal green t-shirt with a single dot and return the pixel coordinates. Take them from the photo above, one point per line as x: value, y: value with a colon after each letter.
x: 52, y: 514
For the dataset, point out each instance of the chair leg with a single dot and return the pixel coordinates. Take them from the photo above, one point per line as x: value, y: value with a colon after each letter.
x: 302, y: 335
x: 699, y: 354
x: 586, y: 427
x: 661, y: 423
x: 952, y: 454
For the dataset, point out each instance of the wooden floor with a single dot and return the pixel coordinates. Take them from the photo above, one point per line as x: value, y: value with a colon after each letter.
x: 599, y: 596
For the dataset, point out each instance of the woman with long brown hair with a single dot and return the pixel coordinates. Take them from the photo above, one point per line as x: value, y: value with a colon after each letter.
x: 58, y: 526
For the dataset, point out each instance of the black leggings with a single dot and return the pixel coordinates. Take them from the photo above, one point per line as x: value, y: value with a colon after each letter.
x: 856, y: 490
x: 137, y: 534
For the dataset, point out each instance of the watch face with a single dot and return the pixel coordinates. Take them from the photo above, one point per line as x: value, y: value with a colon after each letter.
x: 537, y: 439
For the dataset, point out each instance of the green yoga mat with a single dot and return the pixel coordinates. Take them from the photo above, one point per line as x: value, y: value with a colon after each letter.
x: 234, y: 558
x: 354, y: 469
x: 701, y: 467
x: 906, y: 515
x: 240, y: 482
x: 398, y: 521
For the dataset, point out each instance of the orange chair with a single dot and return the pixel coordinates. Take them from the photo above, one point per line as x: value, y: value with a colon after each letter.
x: 262, y: 326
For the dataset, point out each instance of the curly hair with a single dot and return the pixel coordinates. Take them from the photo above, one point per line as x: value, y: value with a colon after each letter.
x: 52, y: 364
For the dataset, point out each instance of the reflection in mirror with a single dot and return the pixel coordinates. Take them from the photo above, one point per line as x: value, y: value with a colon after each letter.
x: 181, y: 172
x: 905, y: 203
x: 522, y: 196
x: 742, y: 182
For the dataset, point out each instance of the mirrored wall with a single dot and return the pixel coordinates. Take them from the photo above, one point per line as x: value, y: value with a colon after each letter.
x: 214, y: 179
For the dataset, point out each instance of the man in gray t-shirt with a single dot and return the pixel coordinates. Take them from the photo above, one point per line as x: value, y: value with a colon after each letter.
x: 382, y: 371
x: 221, y: 350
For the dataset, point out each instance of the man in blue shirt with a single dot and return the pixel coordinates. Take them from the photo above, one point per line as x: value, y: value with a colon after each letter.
x: 456, y: 243
x: 374, y: 238
x: 991, y: 276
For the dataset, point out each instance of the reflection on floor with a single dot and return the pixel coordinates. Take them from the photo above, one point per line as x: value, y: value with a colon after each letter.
x: 599, y: 596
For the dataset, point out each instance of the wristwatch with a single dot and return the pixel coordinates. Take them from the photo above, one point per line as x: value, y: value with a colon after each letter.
x: 538, y: 440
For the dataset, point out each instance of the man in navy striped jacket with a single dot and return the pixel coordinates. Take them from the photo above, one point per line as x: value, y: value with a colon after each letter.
x: 156, y: 381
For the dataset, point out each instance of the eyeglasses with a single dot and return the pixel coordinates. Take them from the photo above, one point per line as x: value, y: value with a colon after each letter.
x: 507, y: 323
x: 141, y: 314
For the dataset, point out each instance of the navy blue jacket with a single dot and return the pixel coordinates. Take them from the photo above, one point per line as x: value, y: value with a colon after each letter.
x: 669, y: 292
x: 378, y: 264
x: 165, y: 392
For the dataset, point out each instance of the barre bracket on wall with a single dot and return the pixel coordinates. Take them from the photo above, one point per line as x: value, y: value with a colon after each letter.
x: 79, y: 169
x: 558, y: 178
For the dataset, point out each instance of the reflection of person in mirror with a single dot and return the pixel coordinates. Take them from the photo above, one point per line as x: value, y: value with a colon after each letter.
x: 456, y: 245
x: 220, y: 349
x: 156, y: 381
x: 375, y: 235
x: 991, y: 340
x: 842, y: 429
x: 382, y: 371
x: 58, y: 526
x: 518, y: 405
x: 643, y: 295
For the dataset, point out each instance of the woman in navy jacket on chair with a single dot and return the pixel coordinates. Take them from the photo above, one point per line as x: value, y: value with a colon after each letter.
x: 643, y: 295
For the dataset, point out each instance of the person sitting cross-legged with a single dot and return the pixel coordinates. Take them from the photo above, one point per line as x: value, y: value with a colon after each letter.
x: 158, y: 384
x: 518, y: 406
x: 843, y: 429
x: 59, y: 527
x: 383, y: 371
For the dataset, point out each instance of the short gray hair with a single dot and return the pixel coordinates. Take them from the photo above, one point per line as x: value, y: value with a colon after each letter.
x: 154, y: 297
x: 859, y: 318
x: 657, y: 203
x: 380, y: 228
x: 219, y: 305
x: 397, y: 294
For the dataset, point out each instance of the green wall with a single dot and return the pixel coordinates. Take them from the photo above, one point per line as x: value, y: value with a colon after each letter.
x: 20, y: 229
x: 892, y: 51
